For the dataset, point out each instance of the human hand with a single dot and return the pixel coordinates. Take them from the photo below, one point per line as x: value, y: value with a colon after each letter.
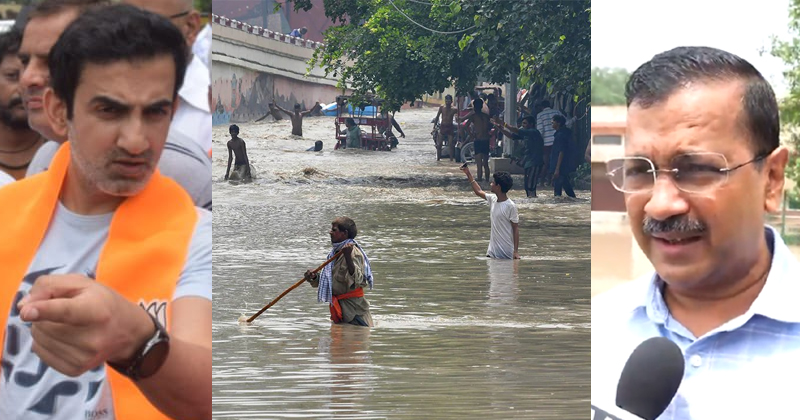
x: 516, y: 255
x: 78, y: 324
x: 310, y: 275
x: 555, y: 175
x: 403, y: 135
x: 347, y: 250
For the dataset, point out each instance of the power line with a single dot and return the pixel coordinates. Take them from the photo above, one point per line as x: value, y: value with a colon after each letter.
x: 429, y: 29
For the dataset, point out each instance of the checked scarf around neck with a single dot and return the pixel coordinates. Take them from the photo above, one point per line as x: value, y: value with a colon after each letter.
x: 325, y: 292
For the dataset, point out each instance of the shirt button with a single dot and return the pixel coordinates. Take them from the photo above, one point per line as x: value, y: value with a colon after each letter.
x: 696, y: 360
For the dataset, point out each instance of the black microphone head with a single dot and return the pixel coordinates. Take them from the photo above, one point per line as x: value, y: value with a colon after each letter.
x: 650, y: 378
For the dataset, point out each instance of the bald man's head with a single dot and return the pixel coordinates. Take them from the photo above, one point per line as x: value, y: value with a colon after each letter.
x: 180, y: 12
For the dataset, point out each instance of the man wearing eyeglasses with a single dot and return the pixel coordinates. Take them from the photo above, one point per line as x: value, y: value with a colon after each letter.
x: 703, y: 166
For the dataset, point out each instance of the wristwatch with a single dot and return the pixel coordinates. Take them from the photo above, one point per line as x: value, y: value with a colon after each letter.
x: 149, y: 358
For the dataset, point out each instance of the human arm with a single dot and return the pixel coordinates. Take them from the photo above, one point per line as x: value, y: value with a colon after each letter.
x: 283, y: 110
x: 347, y: 251
x: 230, y: 159
x: 556, y: 172
x: 244, y: 151
x: 436, y: 119
x: 515, y: 233
x: 475, y: 187
x: 78, y: 323
x: 397, y: 126
x: 588, y: 153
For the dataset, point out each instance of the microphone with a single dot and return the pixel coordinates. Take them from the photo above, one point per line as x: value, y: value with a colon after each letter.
x: 650, y: 378
x: 648, y: 382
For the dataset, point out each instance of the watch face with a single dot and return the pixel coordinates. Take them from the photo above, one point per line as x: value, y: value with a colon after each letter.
x: 154, y: 358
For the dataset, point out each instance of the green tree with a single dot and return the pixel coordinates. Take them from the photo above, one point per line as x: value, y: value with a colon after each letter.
x: 203, y: 6
x: 789, y: 52
x: 404, y: 49
x: 608, y: 86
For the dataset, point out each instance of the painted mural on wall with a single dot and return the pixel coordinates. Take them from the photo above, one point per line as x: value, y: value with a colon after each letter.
x: 239, y: 94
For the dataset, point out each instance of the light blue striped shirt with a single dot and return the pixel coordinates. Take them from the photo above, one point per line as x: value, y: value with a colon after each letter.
x: 748, y: 368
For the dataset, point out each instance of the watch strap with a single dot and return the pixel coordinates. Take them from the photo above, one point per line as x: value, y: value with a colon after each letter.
x: 132, y: 367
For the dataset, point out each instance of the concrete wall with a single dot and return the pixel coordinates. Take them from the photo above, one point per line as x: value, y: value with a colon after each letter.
x: 252, y: 67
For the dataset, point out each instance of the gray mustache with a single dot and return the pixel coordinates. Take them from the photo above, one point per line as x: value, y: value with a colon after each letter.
x: 679, y: 224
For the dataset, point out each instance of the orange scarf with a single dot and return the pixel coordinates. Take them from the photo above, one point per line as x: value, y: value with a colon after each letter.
x: 146, y: 250
x: 336, y: 308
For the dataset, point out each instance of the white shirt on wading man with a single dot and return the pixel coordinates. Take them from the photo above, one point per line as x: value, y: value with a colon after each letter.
x: 502, y: 215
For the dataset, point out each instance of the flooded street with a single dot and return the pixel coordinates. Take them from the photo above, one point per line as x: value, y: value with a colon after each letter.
x: 457, y: 335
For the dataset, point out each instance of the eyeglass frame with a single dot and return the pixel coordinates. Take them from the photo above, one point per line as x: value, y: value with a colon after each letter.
x: 181, y: 14
x: 675, y: 171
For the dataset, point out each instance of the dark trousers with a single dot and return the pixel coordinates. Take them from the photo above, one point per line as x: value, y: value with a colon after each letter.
x: 532, y: 175
x: 562, y: 182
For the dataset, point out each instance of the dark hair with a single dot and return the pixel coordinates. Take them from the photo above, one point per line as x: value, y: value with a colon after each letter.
x: 544, y: 103
x: 350, y: 121
x: 503, y: 179
x: 346, y: 224
x: 477, y: 105
x: 9, y: 42
x: 657, y: 79
x: 52, y: 7
x: 110, y: 34
x: 233, y: 128
x: 560, y: 120
x: 531, y: 120
x: 448, y: 96
x: 296, y: 106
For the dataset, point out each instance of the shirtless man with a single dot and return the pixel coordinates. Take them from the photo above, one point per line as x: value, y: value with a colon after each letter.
x: 297, y: 118
x: 482, y: 127
x: 447, y: 128
x: 236, y: 146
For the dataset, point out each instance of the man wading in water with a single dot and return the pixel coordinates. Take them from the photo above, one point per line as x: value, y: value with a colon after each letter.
x: 342, y: 282
x: 236, y: 146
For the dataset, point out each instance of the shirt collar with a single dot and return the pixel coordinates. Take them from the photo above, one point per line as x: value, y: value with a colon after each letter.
x: 777, y: 300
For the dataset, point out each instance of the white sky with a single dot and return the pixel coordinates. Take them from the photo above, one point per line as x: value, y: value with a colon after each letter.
x: 626, y: 33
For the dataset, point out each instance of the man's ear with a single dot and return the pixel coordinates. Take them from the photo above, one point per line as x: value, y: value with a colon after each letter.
x: 773, y: 187
x: 56, y: 110
x: 193, y: 26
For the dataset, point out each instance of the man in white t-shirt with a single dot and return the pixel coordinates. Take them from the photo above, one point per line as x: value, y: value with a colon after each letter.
x: 504, y: 240
x: 106, y: 280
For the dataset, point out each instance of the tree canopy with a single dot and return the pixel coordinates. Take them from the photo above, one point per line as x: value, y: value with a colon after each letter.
x: 404, y: 49
x: 608, y: 86
x: 789, y: 52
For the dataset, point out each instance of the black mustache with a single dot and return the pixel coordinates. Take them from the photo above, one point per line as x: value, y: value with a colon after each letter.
x: 679, y: 224
x: 14, y: 102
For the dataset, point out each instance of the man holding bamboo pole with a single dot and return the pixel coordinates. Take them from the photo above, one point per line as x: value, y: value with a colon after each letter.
x: 342, y: 283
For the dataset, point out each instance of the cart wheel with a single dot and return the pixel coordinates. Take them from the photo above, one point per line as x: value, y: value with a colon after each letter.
x: 468, y: 152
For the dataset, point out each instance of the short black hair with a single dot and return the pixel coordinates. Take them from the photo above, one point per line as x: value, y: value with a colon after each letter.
x: 504, y: 180
x: 560, y: 120
x: 350, y: 121
x: 109, y: 34
x: 47, y: 8
x: 233, y: 129
x: 347, y: 224
x: 531, y: 120
x: 296, y: 106
x: 477, y: 105
x: 656, y: 80
x: 9, y: 42
x: 448, y: 96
